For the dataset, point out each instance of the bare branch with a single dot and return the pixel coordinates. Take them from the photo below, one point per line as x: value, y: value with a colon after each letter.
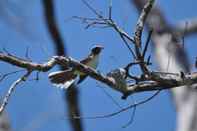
x: 85, y: 69
x: 132, y: 117
x: 22, y: 63
x: 138, y: 34
x: 169, y: 49
x: 106, y: 22
x: 141, y: 21
x: 147, y: 43
x: 3, y: 76
x: 11, y: 90
x: 153, y: 81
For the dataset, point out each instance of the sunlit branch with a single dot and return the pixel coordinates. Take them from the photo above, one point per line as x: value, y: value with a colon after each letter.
x: 11, y: 90
x: 155, y: 81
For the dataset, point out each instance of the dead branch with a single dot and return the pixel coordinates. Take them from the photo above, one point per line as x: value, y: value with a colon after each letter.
x: 184, y: 97
x: 22, y: 63
x: 11, y: 90
x: 153, y: 81
x: 148, y: 81
x: 138, y: 55
x: 141, y: 22
x: 3, y: 76
x: 100, y: 20
x: 138, y: 34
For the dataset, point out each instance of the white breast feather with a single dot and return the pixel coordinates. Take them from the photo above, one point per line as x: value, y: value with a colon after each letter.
x: 65, y: 85
x: 94, y: 62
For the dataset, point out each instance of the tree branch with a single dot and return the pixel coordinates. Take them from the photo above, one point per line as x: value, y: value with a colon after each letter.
x: 22, y: 63
x: 109, y: 22
x: 171, y: 57
x: 141, y: 22
x: 138, y: 34
x: 154, y: 81
x: 11, y: 90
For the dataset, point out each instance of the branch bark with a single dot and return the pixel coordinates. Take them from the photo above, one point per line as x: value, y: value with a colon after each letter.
x: 11, y: 90
x: 172, y: 58
x: 153, y: 81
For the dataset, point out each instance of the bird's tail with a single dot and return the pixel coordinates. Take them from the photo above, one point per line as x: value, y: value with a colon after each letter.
x: 62, y: 79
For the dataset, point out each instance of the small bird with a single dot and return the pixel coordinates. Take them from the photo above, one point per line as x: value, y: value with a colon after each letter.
x: 64, y: 79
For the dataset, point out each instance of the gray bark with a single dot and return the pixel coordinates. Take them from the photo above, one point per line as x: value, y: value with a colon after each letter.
x: 171, y: 57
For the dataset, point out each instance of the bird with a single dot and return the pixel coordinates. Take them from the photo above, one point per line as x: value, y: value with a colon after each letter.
x: 64, y: 79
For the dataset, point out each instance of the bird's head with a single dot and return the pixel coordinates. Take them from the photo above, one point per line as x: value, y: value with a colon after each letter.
x: 97, y: 49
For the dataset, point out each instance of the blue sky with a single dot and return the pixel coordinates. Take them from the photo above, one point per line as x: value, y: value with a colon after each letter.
x: 38, y: 106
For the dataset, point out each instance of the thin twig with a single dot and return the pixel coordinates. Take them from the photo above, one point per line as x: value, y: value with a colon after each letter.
x: 132, y: 117
x: 127, y: 44
x: 109, y: 95
x: 120, y: 111
x: 92, y: 9
x: 147, y: 43
x: 109, y: 23
x: 11, y: 90
x: 3, y: 76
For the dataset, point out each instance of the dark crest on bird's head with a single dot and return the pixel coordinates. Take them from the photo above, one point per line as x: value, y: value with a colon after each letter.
x: 97, y: 49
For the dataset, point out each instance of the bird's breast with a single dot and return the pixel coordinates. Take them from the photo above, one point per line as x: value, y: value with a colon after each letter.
x: 94, y: 62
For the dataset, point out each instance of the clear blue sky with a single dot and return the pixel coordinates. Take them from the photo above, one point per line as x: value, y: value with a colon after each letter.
x: 38, y: 106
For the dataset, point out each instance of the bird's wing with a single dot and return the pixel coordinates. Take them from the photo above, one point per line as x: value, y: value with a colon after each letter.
x: 86, y: 60
x: 65, y: 85
x: 62, y: 79
x: 62, y: 76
